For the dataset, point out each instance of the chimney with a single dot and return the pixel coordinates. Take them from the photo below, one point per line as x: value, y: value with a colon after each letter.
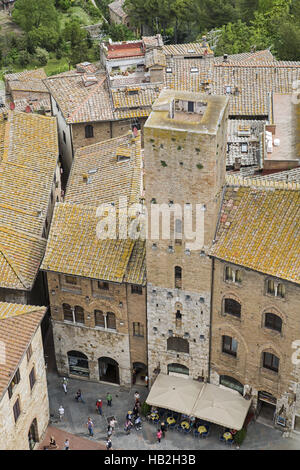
x: 225, y: 57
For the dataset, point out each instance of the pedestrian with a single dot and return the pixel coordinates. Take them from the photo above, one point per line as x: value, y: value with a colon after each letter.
x: 137, y: 396
x: 108, y: 444
x: 109, y: 431
x: 99, y: 406
x: 78, y: 396
x: 129, y: 415
x: 158, y: 435
x: 128, y: 426
x: 64, y: 384
x: 109, y: 399
x: 138, y: 423
x: 146, y: 380
x: 112, y: 424
x: 61, y: 412
x: 133, y: 376
x: 135, y: 410
x: 52, y: 443
x: 67, y: 444
x: 163, y: 428
x: 90, y: 426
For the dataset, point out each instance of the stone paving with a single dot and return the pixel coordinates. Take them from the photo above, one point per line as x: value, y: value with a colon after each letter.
x: 259, y: 436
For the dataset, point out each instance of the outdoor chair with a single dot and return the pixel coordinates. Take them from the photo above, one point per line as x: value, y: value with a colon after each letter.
x: 178, y: 428
x: 196, y: 433
x: 187, y: 431
x: 172, y: 426
x: 221, y: 438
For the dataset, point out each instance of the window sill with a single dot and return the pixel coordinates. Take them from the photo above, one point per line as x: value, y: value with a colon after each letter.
x: 233, y: 283
x: 73, y: 291
x: 277, y: 297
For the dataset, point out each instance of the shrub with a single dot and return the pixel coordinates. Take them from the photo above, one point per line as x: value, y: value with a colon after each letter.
x: 145, y: 409
x: 240, y: 436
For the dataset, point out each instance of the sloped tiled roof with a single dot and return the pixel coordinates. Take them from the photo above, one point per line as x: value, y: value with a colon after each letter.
x: 18, y: 324
x: 28, y: 159
x: 26, y: 75
x: 260, y: 229
x: 74, y: 247
x: 97, y: 177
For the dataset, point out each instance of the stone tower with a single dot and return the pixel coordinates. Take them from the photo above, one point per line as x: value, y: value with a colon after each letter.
x: 185, y: 157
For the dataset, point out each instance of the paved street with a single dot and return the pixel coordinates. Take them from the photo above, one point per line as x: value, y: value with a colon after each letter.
x: 259, y: 436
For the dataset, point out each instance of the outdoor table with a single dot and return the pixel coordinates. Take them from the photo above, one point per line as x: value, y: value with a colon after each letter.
x: 184, y: 425
x: 171, y: 420
x: 227, y: 436
x: 202, y: 429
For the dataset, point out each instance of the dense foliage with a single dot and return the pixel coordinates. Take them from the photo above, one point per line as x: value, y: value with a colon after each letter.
x: 231, y: 25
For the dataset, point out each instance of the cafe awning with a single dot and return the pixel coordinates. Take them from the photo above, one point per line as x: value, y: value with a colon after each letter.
x: 174, y: 393
x: 222, y: 406
x: 214, y: 404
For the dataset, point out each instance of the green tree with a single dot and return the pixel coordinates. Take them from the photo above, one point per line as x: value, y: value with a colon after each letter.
x: 76, y: 39
x: 42, y: 55
x: 29, y: 14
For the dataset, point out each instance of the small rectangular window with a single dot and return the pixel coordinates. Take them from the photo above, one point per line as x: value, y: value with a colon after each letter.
x: 103, y: 285
x: 138, y: 329
x: 71, y: 280
x: 32, y: 378
x: 136, y: 289
x: 17, y: 410
x: 29, y: 352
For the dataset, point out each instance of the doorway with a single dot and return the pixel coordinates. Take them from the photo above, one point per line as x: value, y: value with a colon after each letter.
x: 108, y: 370
x: 33, y: 436
x: 140, y: 372
x: 266, y: 407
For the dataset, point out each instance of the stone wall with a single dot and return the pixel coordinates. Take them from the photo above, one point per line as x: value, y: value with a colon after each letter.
x: 34, y: 403
x: 254, y: 338
x: 95, y: 341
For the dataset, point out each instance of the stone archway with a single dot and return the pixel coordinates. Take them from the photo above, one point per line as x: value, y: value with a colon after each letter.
x: 108, y: 370
x: 78, y: 364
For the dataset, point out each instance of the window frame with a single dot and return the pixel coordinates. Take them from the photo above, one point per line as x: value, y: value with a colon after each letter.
x: 136, y: 289
x: 17, y: 409
x: 269, y: 367
x: 271, y: 318
x: 89, y: 131
x: 232, y: 351
x: 138, y: 329
x: 235, y: 315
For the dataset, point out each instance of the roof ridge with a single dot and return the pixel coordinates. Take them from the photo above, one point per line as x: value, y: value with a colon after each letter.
x: 23, y: 282
x: 71, y: 116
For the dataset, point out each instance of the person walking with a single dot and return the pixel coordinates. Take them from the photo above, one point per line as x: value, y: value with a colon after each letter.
x: 109, y: 399
x: 135, y: 410
x: 61, y: 412
x: 158, y: 435
x: 146, y: 380
x: 90, y: 426
x: 108, y: 444
x: 128, y: 426
x: 67, y: 444
x: 136, y: 396
x: 163, y: 428
x: 112, y: 424
x: 78, y: 396
x: 99, y: 406
x: 64, y: 384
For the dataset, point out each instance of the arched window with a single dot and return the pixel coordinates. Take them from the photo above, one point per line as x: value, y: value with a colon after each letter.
x: 230, y: 382
x: 270, y: 361
x: 68, y: 315
x: 111, y: 320
x: 228, y: 273
x: 99, y: 318
x: 79, y: 314
x: 89, y: 131
x: 270, y: 287
x: 177, y: 369
x: 273, y: 322
x: 178, y: 277
x: 232, y: 307
x: 178, y: 344
x: 281, y: 290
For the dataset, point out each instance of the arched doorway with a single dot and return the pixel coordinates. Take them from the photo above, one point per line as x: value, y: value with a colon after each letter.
x: 139, y: 373
x: 108, y: 370
x: 178, y: 369
x: 78, y: 364
x: 33, y: 436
